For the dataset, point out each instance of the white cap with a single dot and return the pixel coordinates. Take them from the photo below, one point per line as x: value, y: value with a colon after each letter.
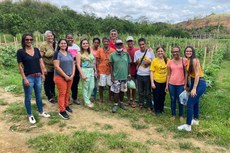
x: 129, y: 38
x: 118, y: 41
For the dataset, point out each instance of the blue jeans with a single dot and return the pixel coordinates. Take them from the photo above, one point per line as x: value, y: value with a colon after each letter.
x: 175, y: 91
x: 193, y: 102
x: 36, y: 84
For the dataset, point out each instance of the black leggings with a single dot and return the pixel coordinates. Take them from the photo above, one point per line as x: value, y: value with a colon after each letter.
x: 74, y: 87
x: 49, y: 85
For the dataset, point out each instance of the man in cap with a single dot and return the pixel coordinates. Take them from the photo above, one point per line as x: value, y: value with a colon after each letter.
x: 131, y: 50
x: 119, y: 62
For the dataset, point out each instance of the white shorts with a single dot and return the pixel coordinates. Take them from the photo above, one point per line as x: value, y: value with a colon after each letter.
x: 105, y: 79
x: 118, y: 86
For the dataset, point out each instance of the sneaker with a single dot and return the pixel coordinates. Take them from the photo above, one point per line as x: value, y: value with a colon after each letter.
x: 43, y: 114
x: 173, y: 118
x: 195, y: 122
x: 76, y: 102
x: 185, y: 127
x: 64, y: 115
x: 91, y: 105
x: 122, y: 105
x: 68, y: 109
x: 115, y: 107
x: 51, y: 100
x: 32, y: 119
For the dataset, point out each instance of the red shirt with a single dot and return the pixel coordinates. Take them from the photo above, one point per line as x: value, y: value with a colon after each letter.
x: 133, y: 66
x: 112, y: 45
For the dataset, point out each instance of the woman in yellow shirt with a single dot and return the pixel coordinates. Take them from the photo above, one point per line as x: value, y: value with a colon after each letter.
x: 197, y: 88
x: 158, y: 75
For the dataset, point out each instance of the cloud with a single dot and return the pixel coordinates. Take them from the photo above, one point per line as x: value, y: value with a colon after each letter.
x: 156, y: 11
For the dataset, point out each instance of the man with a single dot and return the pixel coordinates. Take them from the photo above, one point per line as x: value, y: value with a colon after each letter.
x: 131, y: 50
x: 119, y: 62
x: 103, y: 67
x: 143, y: 58
x: 113, y: 38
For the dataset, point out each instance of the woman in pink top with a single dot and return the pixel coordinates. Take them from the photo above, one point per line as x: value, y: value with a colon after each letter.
x: 176, y: 81
x: 94, y: 49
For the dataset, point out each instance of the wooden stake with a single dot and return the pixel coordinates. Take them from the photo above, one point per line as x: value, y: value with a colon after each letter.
x: 36, y: 42
x: 4, y: 36
x: 204, y: 60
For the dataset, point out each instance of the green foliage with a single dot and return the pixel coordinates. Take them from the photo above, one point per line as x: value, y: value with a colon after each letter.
x: 8, y: 56
x: 30, y: 15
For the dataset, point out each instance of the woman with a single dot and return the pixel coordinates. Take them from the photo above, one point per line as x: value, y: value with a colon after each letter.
x: 94, y: 49
x: 63, y: 76
x: 197, y: 88
x: 158, y: 76
x: 31, y: 66
x: 85, y: 65
x: 47, y: 50
x: 176, y: 81
x: 74, y: 49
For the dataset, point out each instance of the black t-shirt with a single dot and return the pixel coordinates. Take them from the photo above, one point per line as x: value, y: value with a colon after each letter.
x: 30, y: 63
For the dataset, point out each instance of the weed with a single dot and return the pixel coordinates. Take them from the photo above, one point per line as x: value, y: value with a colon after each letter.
x: 3, y: 102
x: 107, y: 127
x: 185, y: 145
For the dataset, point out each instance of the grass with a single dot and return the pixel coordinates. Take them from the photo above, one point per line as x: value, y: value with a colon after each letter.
x: 185, y: 145
x: 86, y: 142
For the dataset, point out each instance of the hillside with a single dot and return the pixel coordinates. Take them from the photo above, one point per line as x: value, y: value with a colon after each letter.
x: 217, y: 21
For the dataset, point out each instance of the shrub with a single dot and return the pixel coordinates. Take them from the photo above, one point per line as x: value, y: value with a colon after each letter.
x: 8, y: 56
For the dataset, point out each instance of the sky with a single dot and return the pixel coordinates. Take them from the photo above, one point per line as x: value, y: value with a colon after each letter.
x: 170, y: 11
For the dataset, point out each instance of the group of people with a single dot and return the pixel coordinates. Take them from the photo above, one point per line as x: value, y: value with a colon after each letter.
x: 121, y: 69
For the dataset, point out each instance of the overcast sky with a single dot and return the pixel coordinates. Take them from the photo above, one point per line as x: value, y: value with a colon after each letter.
x: 171, y: 11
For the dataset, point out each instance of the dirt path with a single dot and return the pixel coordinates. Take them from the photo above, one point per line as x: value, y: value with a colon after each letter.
x: 84, y: 119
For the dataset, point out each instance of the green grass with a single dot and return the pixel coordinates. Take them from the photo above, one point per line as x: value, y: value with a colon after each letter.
x: 107, y: 127
x: 86, y: 142
x: 185, y: 145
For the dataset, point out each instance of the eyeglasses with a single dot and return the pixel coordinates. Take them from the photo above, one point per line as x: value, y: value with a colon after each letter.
x: 28, y: 39
x: 188, y: 50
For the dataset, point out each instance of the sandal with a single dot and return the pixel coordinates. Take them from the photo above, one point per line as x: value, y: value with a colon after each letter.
x: 133, y: 104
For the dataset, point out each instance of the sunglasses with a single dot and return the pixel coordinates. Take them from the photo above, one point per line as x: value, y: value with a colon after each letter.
x: 28, y: 39
x: 118, y: 44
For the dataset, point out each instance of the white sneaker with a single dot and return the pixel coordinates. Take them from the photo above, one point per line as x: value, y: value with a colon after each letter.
x: 43, y: 114
x: 32, y: 119
x: 195, y: 122
x: 185, y: 127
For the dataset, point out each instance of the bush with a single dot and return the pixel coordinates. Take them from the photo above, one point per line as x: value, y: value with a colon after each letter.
x: 8, y: 56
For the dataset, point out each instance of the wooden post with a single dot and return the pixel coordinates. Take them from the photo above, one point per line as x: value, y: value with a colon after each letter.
x: 15, y: 43
x: 4, y: 36
x: 212, y: 52
x: 204, y: 60
x: 36, y: 42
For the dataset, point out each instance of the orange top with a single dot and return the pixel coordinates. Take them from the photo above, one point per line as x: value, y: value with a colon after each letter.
x: 192, y: 74
x: 103, y: 61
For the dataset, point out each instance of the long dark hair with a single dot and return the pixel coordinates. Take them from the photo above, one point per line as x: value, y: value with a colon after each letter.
x: 88, y: 50
x: 191, y: 58
x: 58, y: 48
x: 165, y: 58
x: 24, y: 39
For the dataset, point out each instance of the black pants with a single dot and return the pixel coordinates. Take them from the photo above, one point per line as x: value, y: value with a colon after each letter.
x: 144, y: 90
x: 74, y: 87
x: 159, y: 97
x: 49, y: 85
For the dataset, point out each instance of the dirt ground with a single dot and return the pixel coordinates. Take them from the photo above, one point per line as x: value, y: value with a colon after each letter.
x: 12, y: 141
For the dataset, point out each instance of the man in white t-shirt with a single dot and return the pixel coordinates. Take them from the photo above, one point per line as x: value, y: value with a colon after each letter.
x: 143, y: 58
